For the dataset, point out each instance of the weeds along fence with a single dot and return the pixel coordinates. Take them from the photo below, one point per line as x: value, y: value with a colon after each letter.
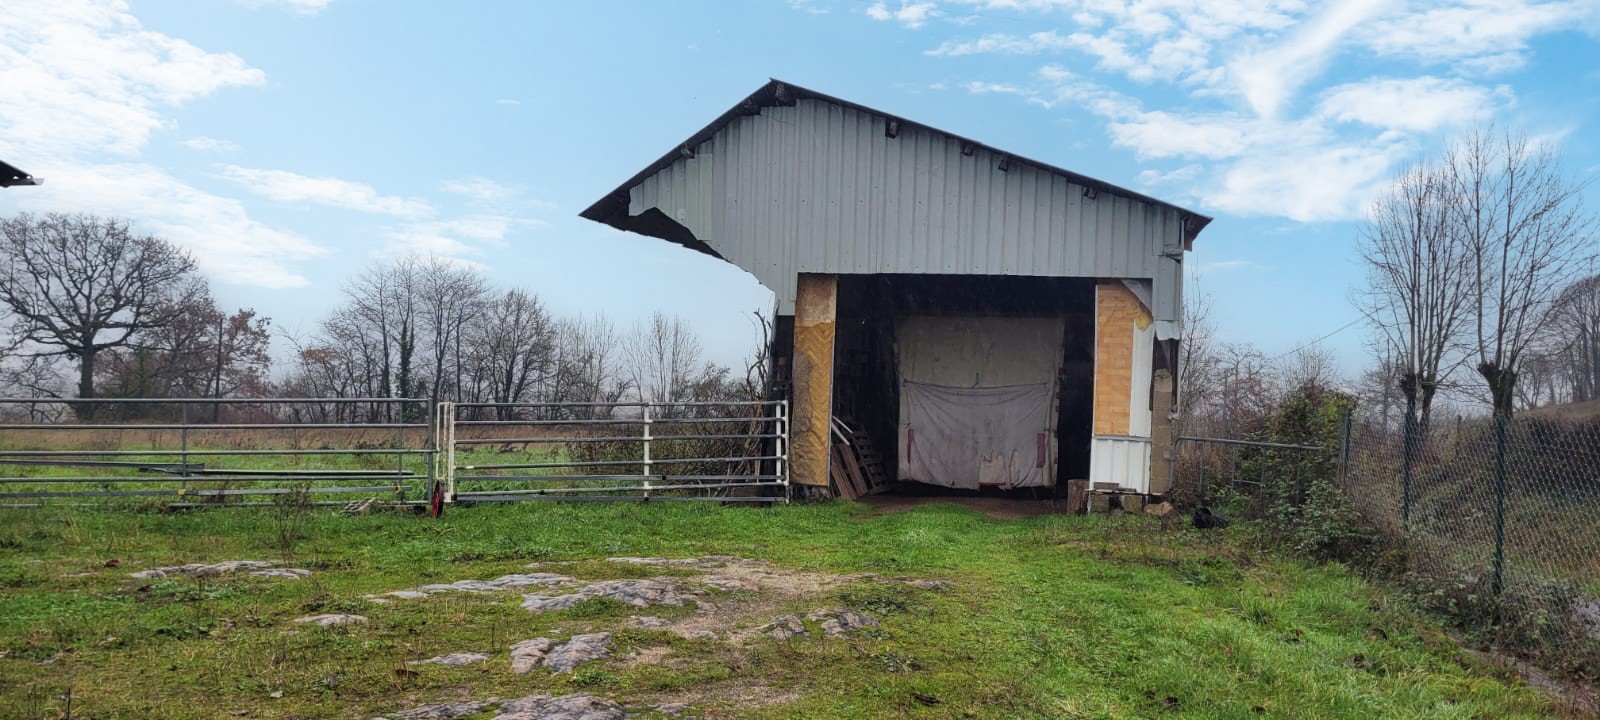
x: 1495, y: 522
x: 191, y: 452
x: 241, y: 452
x: 1499, y: 519
x: 728, y: 451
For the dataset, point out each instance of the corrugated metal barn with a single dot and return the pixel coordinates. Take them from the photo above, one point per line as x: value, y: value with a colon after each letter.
x: 996, y: 321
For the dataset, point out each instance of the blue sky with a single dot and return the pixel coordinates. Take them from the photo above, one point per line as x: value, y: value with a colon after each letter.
x: 289, y: 143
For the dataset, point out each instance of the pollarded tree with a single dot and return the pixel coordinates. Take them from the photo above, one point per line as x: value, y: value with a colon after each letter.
x: 1419, y: 289
x: 77, y: 285
x: 1527, y: 236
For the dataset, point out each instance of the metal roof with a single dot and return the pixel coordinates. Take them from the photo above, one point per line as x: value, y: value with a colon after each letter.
x: 613, y: 208
x: 10, y: 175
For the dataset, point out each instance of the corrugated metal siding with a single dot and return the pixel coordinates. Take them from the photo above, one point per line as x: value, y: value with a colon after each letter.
x: 1121, y: 460
x: 818, y: 187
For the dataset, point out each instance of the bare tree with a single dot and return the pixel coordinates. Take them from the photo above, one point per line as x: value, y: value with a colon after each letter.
x: 1310, y: 365
x: 1527, y: 236
x: 663, y: 357
x: 1419, y: 289
x: 1196, y: 361
x: 588, y: 367
x: 1571, y: 338
x: 512, y: 345
x: 447, y: 295
x: 78, y: 285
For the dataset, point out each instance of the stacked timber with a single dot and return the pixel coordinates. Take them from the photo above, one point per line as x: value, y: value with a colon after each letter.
x: 856, y: 468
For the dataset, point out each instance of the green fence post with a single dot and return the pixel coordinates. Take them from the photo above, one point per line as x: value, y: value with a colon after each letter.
x: 1406, y: 443
x: 1344, y: 449
x: 1499, y: 502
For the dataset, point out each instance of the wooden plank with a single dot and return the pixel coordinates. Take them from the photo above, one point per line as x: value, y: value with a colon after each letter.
x: 852, y: 467
x: 840, y: 473
x: 1077, y: 497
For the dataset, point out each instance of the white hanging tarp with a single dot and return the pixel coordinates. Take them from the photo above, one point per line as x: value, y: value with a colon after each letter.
x: 971, y: 437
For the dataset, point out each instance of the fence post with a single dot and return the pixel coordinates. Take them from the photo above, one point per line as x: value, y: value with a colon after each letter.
x: 447, y: 424
x: 183, y: 458
x: 1499, y: 502
x: 646, y: 465
x: 783, y: 446
x: 430, y: 444
x: 1407, y: 442
x: 1344, y: 448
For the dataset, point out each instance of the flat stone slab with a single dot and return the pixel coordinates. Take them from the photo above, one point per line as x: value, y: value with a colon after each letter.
x: 443, y: 711
x: 635, y: 593
x: 460, y: 658
x: 565, y: 707
x: 204, y: 569
x: 709, y: 562
x: 283, y: 573
x: 838, y: 622
x: 332, y: 619
x: 529, y: 654
x: 564, y: 657
x: 784, y: 627
x: 499, y: 584
x: 504, y: 582
x: 577, y: 651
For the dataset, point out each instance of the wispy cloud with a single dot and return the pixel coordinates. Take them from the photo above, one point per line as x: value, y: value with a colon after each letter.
x: 1002, y: 43
x: 298, y: 7
x: 487, y: 193
x: 809, y: 7
x: 209, y: 144
x: 285, y: 186
x: 228, y: 244
x: 508, y: 102
x: 912, y: 14
x: 465, y: 239
x: 81, y: 80
x: 1225, y: 265
x: 1246, y: 120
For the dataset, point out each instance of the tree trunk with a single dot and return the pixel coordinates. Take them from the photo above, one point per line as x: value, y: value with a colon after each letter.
x: 86, y: 411
x: 1502, y: 386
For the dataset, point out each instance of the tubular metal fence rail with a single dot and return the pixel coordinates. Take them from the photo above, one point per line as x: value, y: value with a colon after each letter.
x: 729, y: 451
x: 196, y: 452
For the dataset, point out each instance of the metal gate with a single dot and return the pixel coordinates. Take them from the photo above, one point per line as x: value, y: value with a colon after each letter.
x: 721, y: 451
x: 208, y: 451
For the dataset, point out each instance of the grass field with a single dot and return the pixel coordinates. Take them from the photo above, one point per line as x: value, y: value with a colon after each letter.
x: 1050, y: 617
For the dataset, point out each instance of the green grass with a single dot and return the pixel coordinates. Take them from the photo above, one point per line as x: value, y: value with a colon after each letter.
x: 1052, y: 617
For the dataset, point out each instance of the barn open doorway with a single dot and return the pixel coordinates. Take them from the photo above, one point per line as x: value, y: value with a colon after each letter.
x: 969, y: 383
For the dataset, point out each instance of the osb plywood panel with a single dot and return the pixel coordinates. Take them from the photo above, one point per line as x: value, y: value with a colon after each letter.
x: 1120, y: 322
x: 1161, y: 432
x: 815, y: 310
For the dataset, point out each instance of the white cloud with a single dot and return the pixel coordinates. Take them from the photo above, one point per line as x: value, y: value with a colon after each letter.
x: 298, y: 7
x: 1256, y: 114
x: 508, y: 102
x: 911, y: 13
x: 1477, y: 35
x: 1419, y: 104
x: 227, y: 243
x: 809, y: 7
x: 286, y: 186
x: 79, y: 77
x: 81, y: 82
x: 460, y: 240
x: 209, y: 144
x: 1002, y: 43
x: 1268, y: 76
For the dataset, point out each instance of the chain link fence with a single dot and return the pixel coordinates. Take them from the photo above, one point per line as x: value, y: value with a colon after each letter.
x: 1495, y: 520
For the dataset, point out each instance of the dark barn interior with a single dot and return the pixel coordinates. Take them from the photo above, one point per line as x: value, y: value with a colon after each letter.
x: 866, y: 391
